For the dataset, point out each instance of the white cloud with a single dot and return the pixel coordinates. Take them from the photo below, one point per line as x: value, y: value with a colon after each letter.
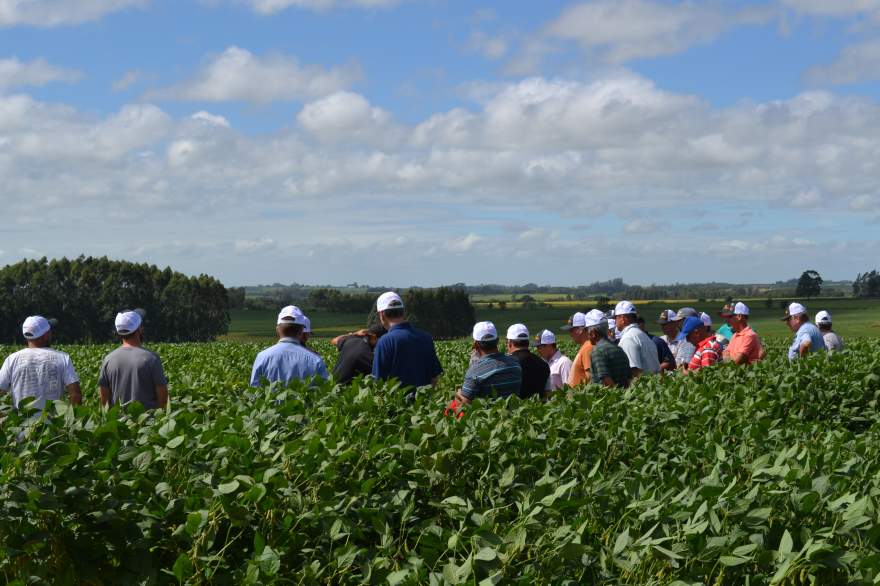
x: 254, y: 246
x: 239, y: 75
x: 488, y: 46
x: 622, y: 30
x: 211, y: 119
x: 856, y: 63
x: 347, y: 117
x: 128, y: 79
x: 273, y: 6
x: 15, y: 73
x: 465, y: 244
x: 809, y: 198
x: 640, y: 227
x: 835, y: 8
x: 864, y: 203
x: 47, y: 13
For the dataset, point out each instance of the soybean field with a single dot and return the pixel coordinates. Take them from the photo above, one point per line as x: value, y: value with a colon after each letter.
x: 762, y: 475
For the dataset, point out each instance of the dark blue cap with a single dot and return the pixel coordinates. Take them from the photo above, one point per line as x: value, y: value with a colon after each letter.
x: 690, y: 324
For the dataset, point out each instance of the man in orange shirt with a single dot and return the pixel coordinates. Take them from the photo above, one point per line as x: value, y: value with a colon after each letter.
x: 745, y: 347
x: 580, y: 367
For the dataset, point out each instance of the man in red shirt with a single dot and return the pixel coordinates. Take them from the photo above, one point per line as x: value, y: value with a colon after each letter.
x: 708, y: 349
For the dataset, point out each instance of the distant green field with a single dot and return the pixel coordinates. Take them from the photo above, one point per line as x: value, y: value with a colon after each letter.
x: 852, y: 317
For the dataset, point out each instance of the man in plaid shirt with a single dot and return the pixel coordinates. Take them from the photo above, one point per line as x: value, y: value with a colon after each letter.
x: 708, y: 349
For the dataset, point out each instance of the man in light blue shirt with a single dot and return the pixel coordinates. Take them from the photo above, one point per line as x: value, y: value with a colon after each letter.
x: 807, y: 337
x: 288, y: 359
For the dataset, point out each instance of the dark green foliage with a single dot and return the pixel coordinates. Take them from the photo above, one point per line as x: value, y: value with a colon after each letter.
x: 762, y: 475
x: 85, y: 295
x: 335, y: 301
x: 867, y: 285
x: 809, y: 285
x: 445, y: 312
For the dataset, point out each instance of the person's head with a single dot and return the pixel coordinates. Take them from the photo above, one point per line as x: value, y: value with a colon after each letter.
x: 390, y: 309
x: 667, y: 323
x: 130, y: 326
x: 641, y: 322
x: 707, y: 321
x: 374, y: 332
x: 624, y: 314
x: 693, y: 330
x: 795, y: 316
x: 823, y: 320
x: 290, y: 323
x: 596, y: 326
x: 545, y: 344
x: 684, y: 313
x: 517, y: 338
x: 576, y: 328
x: 736, y: 316
x: 37, y: 331
x: 485, y: 338
x: 307, y: 330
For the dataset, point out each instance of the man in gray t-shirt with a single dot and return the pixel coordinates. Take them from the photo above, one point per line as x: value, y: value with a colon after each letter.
x: 132, y: 373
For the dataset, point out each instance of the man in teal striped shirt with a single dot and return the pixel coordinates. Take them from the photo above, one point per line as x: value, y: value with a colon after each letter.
x: 493, y: 374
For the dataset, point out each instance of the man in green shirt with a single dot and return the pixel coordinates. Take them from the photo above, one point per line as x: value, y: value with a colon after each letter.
x: 609, y: 364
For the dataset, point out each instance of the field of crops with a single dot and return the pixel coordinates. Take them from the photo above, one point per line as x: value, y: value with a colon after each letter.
x: 763, y: 475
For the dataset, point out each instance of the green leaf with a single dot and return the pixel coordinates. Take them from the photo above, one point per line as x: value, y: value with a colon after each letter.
x: 621, y: 542
x: 731, y: 561
x: 228, y: 487
x: 395, y: 578
x: 508, y: 476
x: 269, y: 561
x: 195, y: 521
x: 182, y: 568
x: 175, y: 442
x: 486, y: 554
x: 786, y: 544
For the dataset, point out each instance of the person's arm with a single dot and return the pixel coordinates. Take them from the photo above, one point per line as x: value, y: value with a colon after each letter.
x: 5, y: 377
x: 804, y: 348
x: 75, y: 394
x: 636, y: 372
x: 461, y: 398
x: 321, y: 370
x: 381, y: 360
x: 104, y: 385
x: 162, y: 395
x: 607, y: 382
x: 106, y: 395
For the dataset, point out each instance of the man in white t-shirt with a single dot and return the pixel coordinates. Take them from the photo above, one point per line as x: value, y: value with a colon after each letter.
x: 38, y: 372
x: 638, y: 346
x: 833, y: 342
x: 560, y: 364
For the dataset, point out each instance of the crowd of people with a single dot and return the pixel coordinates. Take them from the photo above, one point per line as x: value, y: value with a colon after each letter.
x: 613, y: 349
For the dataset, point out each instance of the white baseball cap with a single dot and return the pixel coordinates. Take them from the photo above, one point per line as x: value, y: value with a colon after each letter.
x: 389, y: 300
x: 291, y: 315
x: 485, y: 331
x: 740, y: 309
x: 35, y: 327
x: 685, y: 312
x: 518, y: 332
x: 823, y: 317
x: 666, y: 316
x: 545, y: 337
x: 624, y: 308
x: 704, y: 317
x: 128, y: 322
x: 594, y: 317
x: 793, y: 310
x: 307, y: 325
x: 575, y: 321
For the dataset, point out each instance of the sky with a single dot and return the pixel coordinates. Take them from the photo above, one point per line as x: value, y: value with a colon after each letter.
x: 426, y: 142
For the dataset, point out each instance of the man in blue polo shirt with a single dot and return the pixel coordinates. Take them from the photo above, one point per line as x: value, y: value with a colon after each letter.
x: 288, y: 359
x: 404, y: 353
x: 807, y: 337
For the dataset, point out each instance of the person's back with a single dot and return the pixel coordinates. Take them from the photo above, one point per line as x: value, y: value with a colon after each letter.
x: 535, y: 373
x: 132, y: 374
x: 407, y: 354
x: 833, y: 342
x: 286, y: 361
x: 609, y: 361
x: 807, y: 331
x: 640, y: 349
x: 355, y: 358
x: 494, y: 375
x: 39, y: 373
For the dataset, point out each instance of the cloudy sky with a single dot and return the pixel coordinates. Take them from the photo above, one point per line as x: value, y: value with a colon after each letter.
x: 430, y: 141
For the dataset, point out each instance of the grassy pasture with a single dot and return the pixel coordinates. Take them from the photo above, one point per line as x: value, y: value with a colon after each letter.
x: 852, y: 317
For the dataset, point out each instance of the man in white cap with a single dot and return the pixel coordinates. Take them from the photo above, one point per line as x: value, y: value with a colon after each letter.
x: 494, y: 374
x: 38, y: 372
x: 670, y: 328
x: 609, y: 365
x: 580, y: 367
x: 535, y: 372
x: 288, y: 359
x: 833, y: 342
x: 131, y: 372
x: 745, y: 347
x: 807, y: 337
x: 559, y: 363
x: 404, y: 353
x: 638, y: 346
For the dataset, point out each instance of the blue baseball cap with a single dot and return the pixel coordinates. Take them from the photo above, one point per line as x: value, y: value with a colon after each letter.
x: 690, y: 324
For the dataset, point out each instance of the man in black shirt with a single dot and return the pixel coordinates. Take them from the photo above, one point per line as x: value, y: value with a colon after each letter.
x: 355, y: 353
x: 535, y: 372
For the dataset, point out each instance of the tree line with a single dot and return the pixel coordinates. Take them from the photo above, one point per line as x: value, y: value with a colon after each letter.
x: 86, y: 293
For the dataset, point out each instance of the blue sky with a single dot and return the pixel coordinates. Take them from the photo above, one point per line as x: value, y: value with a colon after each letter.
x: 428, y: 142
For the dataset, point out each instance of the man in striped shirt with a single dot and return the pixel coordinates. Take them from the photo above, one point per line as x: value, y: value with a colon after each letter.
x: 493, y: 374
x: 708, y: 349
